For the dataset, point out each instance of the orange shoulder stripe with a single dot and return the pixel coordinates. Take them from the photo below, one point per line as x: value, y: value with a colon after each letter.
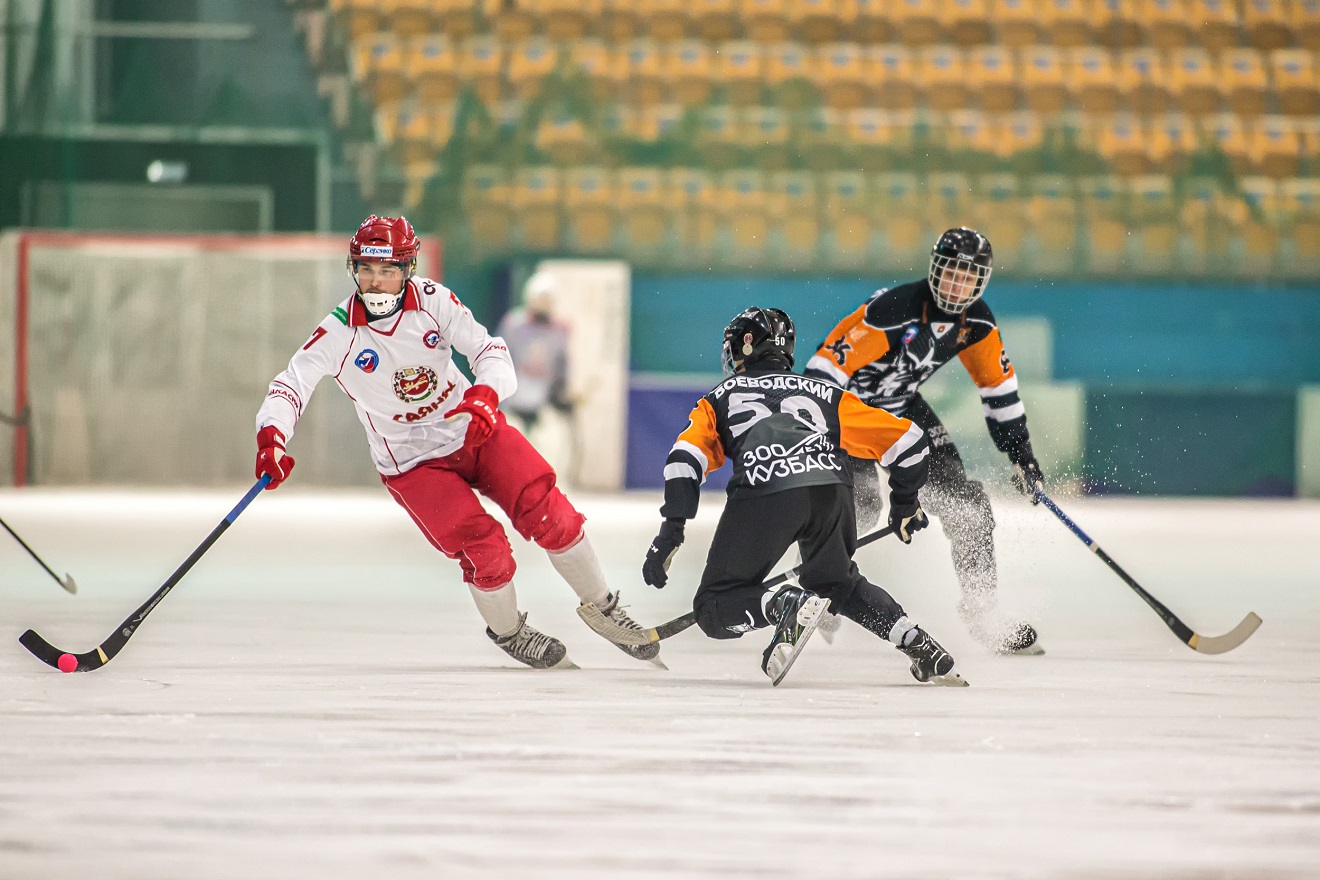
x: 702, y: 433
x: 986, y: 361
x: 853, y: 343
x: 868, y: 431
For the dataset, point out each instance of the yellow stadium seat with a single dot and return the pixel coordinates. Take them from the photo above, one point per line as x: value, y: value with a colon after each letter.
x: 1017, y: 137
x: 744, y: 204
x: 892, y: 72
x: 788, y: 71
x: 765, y: 21
x: 792, y: 205
x: 918, y: 21
x: 719, y: 139
x: 967, y: 22
x: 716, y: 21
x: 1053, y: 222
x: 644, y: 209
x: 1226, y: 134
x: 840, y: 75
x: 1018, y: 23
x: 479, y: 63
x: 943, y: 71
x: 654, y: 124
x: 1295, y: 82
x: 512, y: 20
x: 1068, y: 23
x: 900, y: 210
x: 664, y: 20
x: 358, y: 18
x: 822, y: 140
x: 690, y: 70
x: 417, y: 177
x: 739, y: 67
x: 1257, y: 226
x: 1092, y: 78
x: 597, y: 64
x: 878, y: 136
x: 1193, y: 83
x: 413, y: 139
x: 971, y: 137
x: 846, y: 205
x: 1274, y: 147
x: 564, y: 139
x: 766, y: 132
x: 1156, y: 231
x: 1171, y: 141
x: 530, y: 63
x: 567, y: 20
x: 998, y: 211
x: 695, y: 200
x: 1144, y: 80
x: 623, y: 21
x: 1245, y: 80
x: 488, y: 206
x: 1218, y: 25
x: 992, y: 73
x: 644, y: 66
x: 866, y: 21
x: 1300, y: 216
x: 590, y: 210
x: 1104, y: 223
x: 815, y: 21
x: 1170, y: 23
x: 1308, y: 130
x: 1204, y: 232
x: 1267, y: 24
x: 378, y: 63
x: 951, y: 199
x: 409, y: 18
x: 1043, y: 80
x: 1114, y: 26
x: 844, y: 192
x: 1305, y: 22
x: 432, y: 66
x: 537, y: 199
x: 389, y: 120
x: 1121, y: 141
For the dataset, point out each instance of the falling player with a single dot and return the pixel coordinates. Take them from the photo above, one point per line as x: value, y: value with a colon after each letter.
x: 786, y: 436
x: 436, y: 438
x: 884, y: 351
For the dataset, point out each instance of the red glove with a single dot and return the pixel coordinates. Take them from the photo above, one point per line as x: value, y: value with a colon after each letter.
x: 271, y: 460
x: 479, y: 402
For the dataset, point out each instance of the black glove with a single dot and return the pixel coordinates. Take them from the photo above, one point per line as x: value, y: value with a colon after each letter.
x: 655, y: 570
x: 905, y: 518
x: 1028, y: 479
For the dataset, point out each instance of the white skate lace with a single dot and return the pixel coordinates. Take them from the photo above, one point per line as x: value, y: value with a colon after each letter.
x: 527, y: 641
x: 619, y: 616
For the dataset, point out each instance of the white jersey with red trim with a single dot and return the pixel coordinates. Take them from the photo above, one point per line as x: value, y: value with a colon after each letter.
x: 398, y: 371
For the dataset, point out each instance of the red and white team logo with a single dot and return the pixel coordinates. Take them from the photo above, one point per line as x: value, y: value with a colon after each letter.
x: 412, y: 384
x: 431, y: 339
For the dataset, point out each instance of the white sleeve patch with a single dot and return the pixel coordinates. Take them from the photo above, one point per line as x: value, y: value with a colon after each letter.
x: 696, y: 452
x: 680, y: 471
x: 910, y: 438
x: 1008, y: 386
x: 1007, y: 414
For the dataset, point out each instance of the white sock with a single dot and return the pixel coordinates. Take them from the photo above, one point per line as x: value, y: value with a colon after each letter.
x: 579, y: 566
x: 902, y: 632
x: 499, y: 608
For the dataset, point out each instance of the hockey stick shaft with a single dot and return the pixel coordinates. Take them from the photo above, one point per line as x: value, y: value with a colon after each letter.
x: 593, y: 618
x: 67, y: 583
x: 1185, y: 634
x: 106, y: 651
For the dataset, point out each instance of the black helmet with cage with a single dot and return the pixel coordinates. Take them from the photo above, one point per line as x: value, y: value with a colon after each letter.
x: 960, y: 265
x: 756, y: 334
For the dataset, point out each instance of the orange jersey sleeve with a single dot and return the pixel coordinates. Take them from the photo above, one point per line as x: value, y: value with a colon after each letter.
x: 870, y: 432
x: 702, y: 436
x: 987, y: 362
x: 850, y: 346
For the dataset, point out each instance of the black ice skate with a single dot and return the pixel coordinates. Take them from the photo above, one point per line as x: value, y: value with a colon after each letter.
x: 614, y: 611
x: 795, y: 613
x: 996, y: 632
x: 930, y: 662
x: 529, y: 645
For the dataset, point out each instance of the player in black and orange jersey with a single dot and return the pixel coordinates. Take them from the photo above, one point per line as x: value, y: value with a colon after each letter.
x: 789, y: 439
x: 884, y: 351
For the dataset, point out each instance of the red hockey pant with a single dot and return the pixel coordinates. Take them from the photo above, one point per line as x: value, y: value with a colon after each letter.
x: 439, y: 495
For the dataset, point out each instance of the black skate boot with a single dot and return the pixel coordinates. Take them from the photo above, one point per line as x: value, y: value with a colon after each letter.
x: 998, y: 633
x: 529, y: 645
x: 795, y: 613
x: 614, y: 611
x: 930, y: 662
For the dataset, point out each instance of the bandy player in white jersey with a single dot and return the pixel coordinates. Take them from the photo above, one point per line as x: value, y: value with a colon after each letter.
x: 437, y: 438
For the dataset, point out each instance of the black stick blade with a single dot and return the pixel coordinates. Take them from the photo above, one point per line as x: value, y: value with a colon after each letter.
x: 50, y: 655
x: 1229, y: 640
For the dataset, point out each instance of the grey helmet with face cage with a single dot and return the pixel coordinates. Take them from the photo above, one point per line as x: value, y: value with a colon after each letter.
x: 960, y: 250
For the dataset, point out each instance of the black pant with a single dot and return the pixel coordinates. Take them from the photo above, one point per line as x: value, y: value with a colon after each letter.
x: 960, y: 504
x: 754, y: 533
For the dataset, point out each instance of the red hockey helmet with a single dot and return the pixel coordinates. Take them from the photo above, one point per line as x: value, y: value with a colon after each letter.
x: 384, y: 240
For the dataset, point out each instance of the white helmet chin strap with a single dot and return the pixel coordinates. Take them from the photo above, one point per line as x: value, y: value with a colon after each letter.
x: 380, y: 303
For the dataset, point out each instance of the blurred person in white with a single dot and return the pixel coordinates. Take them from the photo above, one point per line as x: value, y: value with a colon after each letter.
x: 437, y: 438
x: 884, y: 351
x: 539, y: 346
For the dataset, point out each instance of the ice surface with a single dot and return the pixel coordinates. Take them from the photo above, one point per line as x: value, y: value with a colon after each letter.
x: 317, y: 699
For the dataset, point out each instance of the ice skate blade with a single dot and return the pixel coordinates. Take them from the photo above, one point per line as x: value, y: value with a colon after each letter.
x: 952, y: 680
x: 565, y: 663
x: 808, y: 617
x: 658, y: 663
